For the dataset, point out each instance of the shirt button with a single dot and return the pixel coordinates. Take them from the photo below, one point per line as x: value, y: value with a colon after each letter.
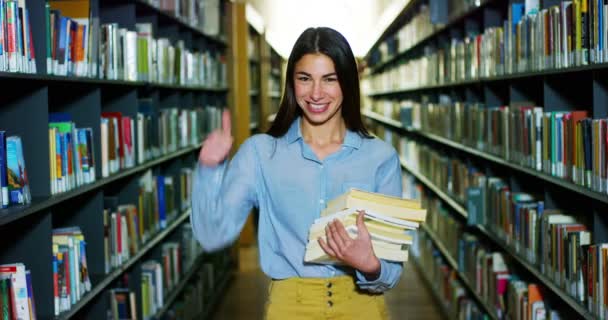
x: 329, y: 285
x: 321, y: 166
x: 321, y: 201
x: 329, y: 293
x: 329, y: 303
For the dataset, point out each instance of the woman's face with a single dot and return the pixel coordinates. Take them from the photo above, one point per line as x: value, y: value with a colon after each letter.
x: 317, y: 89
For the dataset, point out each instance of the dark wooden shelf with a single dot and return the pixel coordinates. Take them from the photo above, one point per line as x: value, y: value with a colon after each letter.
x: 107, y: 280
x: 455, y: 20
x: 429, y: 284
x: 181, y: 22
x: 39, y: 204
x: 507, y: 77
x: 177, y: 290
x: 218, y: 292
x: 84, y: 81
x: 495, y: 159
x: 453, y: 203
x: 454, y: 265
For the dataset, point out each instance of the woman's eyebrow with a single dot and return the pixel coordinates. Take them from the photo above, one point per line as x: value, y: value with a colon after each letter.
x: 309, y: 75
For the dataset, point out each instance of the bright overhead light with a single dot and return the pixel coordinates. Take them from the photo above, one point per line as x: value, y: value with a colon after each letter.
x: 254, y: 18
x: 360, y: 21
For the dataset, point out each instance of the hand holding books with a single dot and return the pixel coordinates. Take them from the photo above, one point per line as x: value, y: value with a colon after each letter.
x: 383, y: 222
x: 358, y: 252
x: 218, y: 144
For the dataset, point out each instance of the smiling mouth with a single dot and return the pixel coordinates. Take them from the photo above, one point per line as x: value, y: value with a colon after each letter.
x: 317, y: 107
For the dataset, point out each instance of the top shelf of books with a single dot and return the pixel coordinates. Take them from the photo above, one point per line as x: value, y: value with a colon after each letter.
x: 191, y: 16
x: 490, y: 39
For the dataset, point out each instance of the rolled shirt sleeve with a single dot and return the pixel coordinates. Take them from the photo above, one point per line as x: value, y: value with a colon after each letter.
x: 222, y: 197
x: 388, y: 177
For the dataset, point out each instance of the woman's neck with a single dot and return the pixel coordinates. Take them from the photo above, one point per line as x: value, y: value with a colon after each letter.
x: 330, y: 132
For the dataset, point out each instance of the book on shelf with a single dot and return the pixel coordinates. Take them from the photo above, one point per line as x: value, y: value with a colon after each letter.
x: 70, y: 271
x: 13, y: 175
x: 172, y: 264
x: 71, y: 154
x: 16, y: 293
x: 123, y: 304
x: 387, y: 219
x: 72, y: 38
x: 4, y: 194
x: 17, y: 52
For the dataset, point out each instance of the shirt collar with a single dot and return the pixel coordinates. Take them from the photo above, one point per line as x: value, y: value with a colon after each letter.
x: 294, y: 133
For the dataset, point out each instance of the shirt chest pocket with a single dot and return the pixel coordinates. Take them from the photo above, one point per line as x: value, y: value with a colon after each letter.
x: 356, y: 185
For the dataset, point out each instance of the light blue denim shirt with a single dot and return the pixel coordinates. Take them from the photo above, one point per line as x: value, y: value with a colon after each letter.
x: 290, y: 186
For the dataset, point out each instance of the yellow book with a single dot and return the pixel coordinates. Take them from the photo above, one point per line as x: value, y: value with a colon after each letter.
x: 390, y: 206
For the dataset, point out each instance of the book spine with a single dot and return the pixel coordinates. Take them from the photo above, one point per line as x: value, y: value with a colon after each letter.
x: 4, y: 195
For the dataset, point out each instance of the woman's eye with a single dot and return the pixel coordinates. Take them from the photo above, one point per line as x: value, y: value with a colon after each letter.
x: 331, y: 79
x: 303, y: 78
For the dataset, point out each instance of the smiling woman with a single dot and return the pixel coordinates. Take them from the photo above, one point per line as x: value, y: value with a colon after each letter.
x: 317, y: 144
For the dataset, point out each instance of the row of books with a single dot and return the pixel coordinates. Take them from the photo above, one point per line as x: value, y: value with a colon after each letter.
x: 70, y: 153
x: 125, y: 141
x: 16, y: 293
x: 159, y: 278
x: 565, y: 144
x: 558, y: 243
x: 449, y: 288
x: 422, y: 23
x: 139, y: 56
x: 197, y: 295
x: 496, y: 282
x: 71, y: 279
x: 128, y: 226
x: 561, y: 36
x: 17, y: 52
x: 488, y: 272
x: 14, y: 184
x: 204, y: 15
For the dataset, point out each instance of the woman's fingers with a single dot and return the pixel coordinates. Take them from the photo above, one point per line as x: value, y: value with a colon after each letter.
x: 342, y: 233
x: 331, y: 241
x: 326, y: 247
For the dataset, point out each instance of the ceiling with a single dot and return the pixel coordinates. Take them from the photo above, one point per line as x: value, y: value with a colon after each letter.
x: 360, y: 21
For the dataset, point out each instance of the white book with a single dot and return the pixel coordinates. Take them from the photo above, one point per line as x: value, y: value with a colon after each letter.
x: 105, y: 165
x: 140, y: 139
x: 16, y: 273
x: 131, y: 56
x: 371, y: 215
x: 126, y: 255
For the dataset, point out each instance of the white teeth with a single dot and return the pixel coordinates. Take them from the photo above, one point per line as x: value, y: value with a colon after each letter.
x: 317, y: 106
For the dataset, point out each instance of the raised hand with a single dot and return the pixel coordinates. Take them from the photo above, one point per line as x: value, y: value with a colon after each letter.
x: 358, y: 252
x: 216, y: 146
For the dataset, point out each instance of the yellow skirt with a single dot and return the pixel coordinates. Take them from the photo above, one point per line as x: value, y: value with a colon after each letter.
x: 322, y: 298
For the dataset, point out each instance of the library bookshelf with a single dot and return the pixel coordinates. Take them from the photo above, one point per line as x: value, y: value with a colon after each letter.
x: 418, y: 65
x: 26, y: 102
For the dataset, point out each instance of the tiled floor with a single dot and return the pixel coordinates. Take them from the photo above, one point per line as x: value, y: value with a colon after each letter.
x: 246, y: 296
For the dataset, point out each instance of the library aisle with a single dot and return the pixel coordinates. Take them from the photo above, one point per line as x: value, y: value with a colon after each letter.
x: 247, y: 293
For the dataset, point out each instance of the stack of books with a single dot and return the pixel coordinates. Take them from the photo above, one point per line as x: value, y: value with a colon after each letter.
x: 389, y: 220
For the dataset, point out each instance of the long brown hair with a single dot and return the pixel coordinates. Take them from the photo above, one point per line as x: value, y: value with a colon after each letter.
x: 332, y: 44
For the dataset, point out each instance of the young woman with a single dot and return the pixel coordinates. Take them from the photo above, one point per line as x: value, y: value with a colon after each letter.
x: 316, y: 149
